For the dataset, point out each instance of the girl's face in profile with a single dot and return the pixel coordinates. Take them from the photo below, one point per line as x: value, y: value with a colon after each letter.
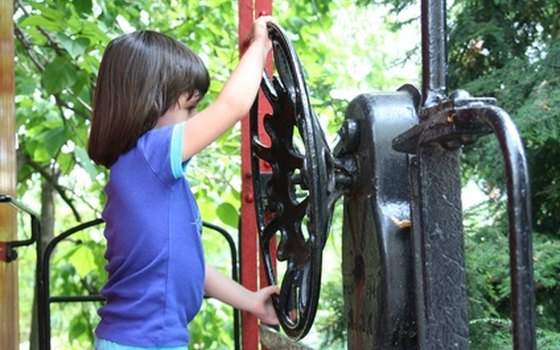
x: 185, y: 108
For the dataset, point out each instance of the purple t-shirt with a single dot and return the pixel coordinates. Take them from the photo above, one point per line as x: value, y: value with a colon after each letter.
x: 154, y: 251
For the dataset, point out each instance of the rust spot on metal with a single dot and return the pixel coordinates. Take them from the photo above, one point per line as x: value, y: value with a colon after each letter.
x: 405, y: 223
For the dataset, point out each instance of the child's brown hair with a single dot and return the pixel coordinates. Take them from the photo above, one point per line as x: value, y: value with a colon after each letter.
x: 142, y: 74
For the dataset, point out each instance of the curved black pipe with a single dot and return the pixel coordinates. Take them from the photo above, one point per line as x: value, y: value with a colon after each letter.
x: 43, y: 282
x: 519, y: 214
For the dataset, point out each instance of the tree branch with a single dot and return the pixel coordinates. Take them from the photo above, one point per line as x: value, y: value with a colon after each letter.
x: 52, y: 179
x: 27, y: 46
x: 41, y: 67
x: 52, y: 43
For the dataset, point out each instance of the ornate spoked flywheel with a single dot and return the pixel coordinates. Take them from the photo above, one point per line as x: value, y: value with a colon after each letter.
x: 296, y: 183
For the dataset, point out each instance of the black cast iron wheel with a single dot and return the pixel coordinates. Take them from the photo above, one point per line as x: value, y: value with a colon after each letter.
x: 295, y: 189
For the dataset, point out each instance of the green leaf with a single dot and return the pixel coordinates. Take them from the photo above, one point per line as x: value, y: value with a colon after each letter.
x: 51, y: 13
x: 66, y: 163
x: 92, y: 32
x: 85, y: 162
x: 83, y: 261
x: 228, y: 214
x: 58, y: 75
x: 74, y: 46
x: 77, y: 328
x: 64, y: 255
x: 39, y: 154
x: 83, y: 7
x: 81, y: 85
x: 54, y: 138
x: 25, y: 85
x: 43, y: 23
x: 207, y: 209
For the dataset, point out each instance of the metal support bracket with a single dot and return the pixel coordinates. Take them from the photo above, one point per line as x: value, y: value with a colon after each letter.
x: 8, y: 251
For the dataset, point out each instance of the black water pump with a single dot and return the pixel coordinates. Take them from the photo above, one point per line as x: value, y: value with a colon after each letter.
x: 397, y: 167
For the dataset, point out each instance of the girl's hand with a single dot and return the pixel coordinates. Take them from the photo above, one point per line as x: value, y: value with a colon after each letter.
x: 263, y: 308
x: 259, y: 32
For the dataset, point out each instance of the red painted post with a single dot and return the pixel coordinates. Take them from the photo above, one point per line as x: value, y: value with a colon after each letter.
x: 264, y: 7
x: 249, y: 247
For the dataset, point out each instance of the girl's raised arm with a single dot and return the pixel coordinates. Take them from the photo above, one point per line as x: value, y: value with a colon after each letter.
x: 236, y: 97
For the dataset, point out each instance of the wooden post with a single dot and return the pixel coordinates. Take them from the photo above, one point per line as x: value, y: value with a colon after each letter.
x: 8, y: 271
x: 248, y: 238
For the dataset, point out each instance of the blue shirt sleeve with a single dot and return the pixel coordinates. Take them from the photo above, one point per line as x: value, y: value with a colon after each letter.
x: 178, y: 168
x: 162, y: 149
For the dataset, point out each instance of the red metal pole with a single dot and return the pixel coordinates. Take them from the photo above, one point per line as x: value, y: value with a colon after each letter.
x: 264, y: 7
x: 251, y: 273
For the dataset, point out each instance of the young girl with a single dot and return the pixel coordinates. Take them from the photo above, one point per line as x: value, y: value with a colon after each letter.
x: 145, y: 128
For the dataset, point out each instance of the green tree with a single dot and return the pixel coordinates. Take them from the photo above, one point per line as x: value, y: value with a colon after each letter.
x: 58, y: 48
x: 508, y: 50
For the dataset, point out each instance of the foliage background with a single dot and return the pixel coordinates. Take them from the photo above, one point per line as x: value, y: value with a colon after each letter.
x: 508, y: 49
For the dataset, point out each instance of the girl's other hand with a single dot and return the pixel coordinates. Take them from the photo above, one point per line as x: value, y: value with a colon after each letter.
x: 263, y: 308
